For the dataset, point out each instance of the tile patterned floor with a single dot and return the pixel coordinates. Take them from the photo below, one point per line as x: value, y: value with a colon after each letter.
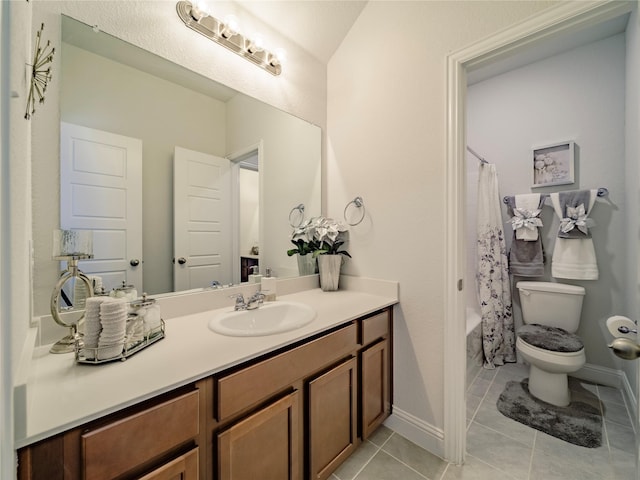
x: 499, y: 448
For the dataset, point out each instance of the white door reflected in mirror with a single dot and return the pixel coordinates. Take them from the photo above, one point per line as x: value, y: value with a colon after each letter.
x: 101, y: 190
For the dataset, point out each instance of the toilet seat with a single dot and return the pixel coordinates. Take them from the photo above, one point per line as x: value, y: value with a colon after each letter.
x: 544, y: 354
x: 550, y: 339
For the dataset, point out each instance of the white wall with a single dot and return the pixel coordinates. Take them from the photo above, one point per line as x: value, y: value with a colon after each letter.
x: 249, y: 210
x: 386, y: 136
x: 579, y: 96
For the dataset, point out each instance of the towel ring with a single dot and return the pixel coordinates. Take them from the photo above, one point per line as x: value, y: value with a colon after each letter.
x: 358, y: 203
x: 300, y: 209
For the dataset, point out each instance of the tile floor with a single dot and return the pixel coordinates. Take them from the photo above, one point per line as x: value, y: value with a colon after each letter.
x: 499, y: 448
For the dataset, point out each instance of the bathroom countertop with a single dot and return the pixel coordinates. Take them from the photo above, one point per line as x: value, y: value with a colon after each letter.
x: 61, y: 394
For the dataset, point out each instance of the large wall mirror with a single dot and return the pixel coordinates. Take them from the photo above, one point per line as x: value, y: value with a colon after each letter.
x: 271, y: 163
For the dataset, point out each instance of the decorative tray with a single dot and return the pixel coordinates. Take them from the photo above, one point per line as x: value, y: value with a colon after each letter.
x: 108, y: 353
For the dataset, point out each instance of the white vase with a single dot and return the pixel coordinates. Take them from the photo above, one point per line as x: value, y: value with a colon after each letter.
x: 307, y: 265
x: 329, y: 267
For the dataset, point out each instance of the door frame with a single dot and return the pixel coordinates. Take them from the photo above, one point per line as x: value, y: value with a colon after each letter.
x: 562, y: 19
x: 235, y: 159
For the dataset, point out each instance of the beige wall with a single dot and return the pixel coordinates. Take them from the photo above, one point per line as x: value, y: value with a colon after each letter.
x: 386, y: 136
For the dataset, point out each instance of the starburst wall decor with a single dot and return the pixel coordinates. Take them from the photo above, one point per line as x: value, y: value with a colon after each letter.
x: 40, y: 73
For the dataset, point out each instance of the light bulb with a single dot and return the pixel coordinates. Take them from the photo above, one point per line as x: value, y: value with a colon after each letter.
x: 230, y: 26
x: 278, y: 57
x: 199, y: 10
x: 255, y: 44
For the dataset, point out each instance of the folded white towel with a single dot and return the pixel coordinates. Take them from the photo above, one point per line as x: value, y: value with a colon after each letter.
x: 573, y: 258
x: 528, y: 204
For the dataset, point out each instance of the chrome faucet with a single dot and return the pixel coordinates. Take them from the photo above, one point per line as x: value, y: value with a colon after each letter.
x: 252, y: 303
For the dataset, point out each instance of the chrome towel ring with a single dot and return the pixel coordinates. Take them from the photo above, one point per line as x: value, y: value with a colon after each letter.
x: 358, y: 203
x: 300, y: 209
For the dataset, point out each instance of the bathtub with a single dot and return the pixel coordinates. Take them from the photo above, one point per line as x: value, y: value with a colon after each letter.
x: 474, y: 340
x: 473, y: 320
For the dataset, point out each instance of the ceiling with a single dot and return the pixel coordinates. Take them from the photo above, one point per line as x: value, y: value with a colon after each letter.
x: 318, y: 26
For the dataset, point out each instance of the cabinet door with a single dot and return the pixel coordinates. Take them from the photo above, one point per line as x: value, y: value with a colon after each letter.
x: 263, y: 445
x: 375, y: 387
x: 332, y: 418
x: 184, y: 467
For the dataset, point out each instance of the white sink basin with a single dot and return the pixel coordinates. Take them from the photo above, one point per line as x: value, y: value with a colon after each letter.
x: 270, y: 318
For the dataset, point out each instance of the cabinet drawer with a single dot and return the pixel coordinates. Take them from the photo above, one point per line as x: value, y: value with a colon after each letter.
x: 244, y: 388
x: 114, y: 449
x: 375, y: 327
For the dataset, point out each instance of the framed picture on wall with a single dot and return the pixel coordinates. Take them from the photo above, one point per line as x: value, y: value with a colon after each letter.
x: 553, y: 164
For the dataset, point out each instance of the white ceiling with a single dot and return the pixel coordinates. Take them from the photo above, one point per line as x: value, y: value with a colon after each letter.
x: 318, y: 26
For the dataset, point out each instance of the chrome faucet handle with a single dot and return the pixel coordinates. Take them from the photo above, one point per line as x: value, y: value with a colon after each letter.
x: 240, y: 304
x: 257, y: 296
x: 255, y: 300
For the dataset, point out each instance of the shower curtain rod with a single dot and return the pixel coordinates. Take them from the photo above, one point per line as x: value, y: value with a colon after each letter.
x: 602, y: 192
x: 472, y: 152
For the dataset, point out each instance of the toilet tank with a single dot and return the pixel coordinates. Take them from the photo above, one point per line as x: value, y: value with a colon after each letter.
x: 551, y: 304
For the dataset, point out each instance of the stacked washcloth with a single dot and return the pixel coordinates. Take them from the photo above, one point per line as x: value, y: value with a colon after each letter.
x: 526, y: 256
x: 105, y: 327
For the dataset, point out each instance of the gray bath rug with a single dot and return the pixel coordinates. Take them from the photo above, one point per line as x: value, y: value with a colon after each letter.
x: 579, y: 423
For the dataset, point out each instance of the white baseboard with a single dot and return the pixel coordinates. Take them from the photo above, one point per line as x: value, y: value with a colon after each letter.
x: 602, y: 375
x: 432, y: 439
x: 416, y: 430
x: 611, y: 378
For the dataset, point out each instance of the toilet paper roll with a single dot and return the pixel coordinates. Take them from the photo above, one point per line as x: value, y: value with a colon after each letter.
x: 617, y: 323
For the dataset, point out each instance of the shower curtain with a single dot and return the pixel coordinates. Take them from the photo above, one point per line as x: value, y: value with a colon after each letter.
x: 494, y: 287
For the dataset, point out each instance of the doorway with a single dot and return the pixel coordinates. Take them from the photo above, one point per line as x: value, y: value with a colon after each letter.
x: 553, y: 26
x: 246, y: 212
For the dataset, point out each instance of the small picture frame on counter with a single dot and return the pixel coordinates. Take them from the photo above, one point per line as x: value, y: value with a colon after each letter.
x: 553, y: 164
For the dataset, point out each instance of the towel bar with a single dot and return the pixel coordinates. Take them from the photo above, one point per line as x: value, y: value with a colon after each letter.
x: 602, y: 192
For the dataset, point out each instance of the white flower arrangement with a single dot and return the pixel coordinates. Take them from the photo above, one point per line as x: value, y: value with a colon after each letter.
x: 319, y: 236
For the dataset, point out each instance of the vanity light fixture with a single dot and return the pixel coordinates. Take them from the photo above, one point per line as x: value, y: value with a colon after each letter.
x: 225, y: 32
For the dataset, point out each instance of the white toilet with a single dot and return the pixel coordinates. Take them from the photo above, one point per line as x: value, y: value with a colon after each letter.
x: 547, y: 340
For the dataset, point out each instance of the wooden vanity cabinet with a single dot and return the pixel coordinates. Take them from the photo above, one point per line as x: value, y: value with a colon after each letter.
x: 158, y: 439
x: 294, y: 414
x: 262, y: 408
x: 375, y: 372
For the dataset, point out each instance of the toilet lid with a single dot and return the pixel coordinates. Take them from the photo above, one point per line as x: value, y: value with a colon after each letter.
x: 550, y: 338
